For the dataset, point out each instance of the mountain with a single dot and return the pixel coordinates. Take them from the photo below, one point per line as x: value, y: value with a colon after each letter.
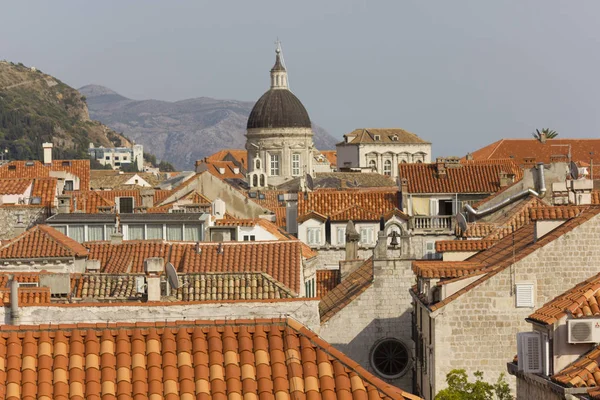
x: 36, y: 107
x: 180, y: 132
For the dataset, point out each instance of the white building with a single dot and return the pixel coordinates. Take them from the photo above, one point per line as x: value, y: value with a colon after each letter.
x: 117, y: 157
x: 381, y: 150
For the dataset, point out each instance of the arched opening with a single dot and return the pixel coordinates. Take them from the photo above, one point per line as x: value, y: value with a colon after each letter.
x: 254, y: 180
x: 262, y: 180
x: 373, y: 165
x: 387, y: 167
x: 257, y: 164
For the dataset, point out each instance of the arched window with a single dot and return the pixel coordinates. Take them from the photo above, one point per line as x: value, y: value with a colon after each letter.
x: 419, y: 162
x: 254, y: 180
x: 257, y: 164
x: 262, y: 180
x: 387, y: 167
x: 373, y: 165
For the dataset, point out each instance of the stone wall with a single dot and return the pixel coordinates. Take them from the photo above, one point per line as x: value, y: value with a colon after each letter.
x: 382, y: 311
x: 30, y: 217
x: 302, y: 310
x: 477, y: 331
x: 530, y: 390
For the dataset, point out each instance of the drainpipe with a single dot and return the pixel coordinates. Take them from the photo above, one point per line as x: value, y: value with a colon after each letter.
x: 541, y: 194
x: 15, y: 316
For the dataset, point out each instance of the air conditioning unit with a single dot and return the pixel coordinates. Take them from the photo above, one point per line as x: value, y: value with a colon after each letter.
x: 584, y: 330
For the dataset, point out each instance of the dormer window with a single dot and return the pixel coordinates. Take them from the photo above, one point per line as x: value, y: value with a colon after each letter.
x: 395, y: 138
x: 66, y: 163
x: 377, y: 137
x: 12, y: 167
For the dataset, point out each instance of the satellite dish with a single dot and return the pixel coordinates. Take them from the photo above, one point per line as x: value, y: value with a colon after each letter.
x: 574, y: 170
x: 172, y: 276
x: 310, y: 184
x: 461, y: 221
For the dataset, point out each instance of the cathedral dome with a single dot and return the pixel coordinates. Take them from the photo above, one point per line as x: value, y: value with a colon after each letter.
x: 278, y: 108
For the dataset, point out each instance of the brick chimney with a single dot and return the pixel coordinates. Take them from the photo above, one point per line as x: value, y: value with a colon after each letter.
x: 440, y: 166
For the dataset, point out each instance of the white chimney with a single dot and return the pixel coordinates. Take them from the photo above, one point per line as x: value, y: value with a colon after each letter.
x: 47, y: 153
x: 153, y: 267
x: 218, y: 208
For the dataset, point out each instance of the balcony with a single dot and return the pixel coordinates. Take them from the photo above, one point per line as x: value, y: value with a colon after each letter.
x: 432, y: 224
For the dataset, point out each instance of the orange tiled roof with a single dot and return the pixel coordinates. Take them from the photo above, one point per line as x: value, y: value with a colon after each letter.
x: 79, y: 168
x: 479, y: 229
x: 14, y: 185
x: 46, y: 190
x: 239, y: 155
x: 515, y: 247
x: 221, y: 169
x: 584, y: 372
x: 331, y: 202
x: 531, y: 151
x: 580, y: 301
x: 271, y: 202
x: 349, y: 289
x: 465, y: 178
x: 42, y: 241
x: 367, y: 135
x: 326, y: 280
x: 280, y: 259
x: 181, y: 360
x: 553, y: 213
x: 236, y: 222
x: 28, y: 296
x: 442, y: 246
x: 35, y: 169
x: 445, y: 269
x: 331, y: 156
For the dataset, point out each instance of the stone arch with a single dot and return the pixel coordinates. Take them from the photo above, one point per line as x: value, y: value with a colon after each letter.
x: 262, y: 180
x: 254, y: 180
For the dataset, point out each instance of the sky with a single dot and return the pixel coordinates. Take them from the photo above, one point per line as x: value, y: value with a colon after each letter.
x: 460, y: 74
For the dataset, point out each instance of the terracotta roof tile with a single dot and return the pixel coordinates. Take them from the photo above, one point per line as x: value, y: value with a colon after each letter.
x: 42, y: 241
x: 14, y: 185
x: 553, y: 213
x: 464, y: 178
x: 583, y: 372
x: 35, y: 169
x: 280, y: 259
x: 183, y: 360
x: 221, y: 169
x: 351, y: 203
x: 442, y: 246
x: 367, y: 135
x: 326, y: 280
x: 446, y: 269
x: 241, y: 156
x: 46, y: 189
x: 580, y: 301
x: 28, y: 296
x: 331, y: 156
x: 349, y: 289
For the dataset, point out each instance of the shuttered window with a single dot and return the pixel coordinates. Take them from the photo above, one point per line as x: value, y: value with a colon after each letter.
x: 524, y: 294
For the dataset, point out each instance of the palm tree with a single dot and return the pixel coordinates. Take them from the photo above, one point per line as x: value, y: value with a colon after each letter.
x: 549, y: 133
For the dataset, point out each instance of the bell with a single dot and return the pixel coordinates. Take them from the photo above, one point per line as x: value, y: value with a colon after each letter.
x: 394, y: 241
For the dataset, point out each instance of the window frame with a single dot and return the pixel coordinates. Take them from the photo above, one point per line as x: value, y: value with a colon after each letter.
x: 275, y: 164
x: 295, y: 164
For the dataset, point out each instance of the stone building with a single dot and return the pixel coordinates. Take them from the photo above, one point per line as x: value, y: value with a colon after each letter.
x: 381, y: 150
x: 279, y: 137
x: 469, y: 312
x: 558, y: 358
x: 118, y: 157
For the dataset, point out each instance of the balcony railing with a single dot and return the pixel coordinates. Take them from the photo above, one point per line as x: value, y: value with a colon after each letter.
x: 432, y: 223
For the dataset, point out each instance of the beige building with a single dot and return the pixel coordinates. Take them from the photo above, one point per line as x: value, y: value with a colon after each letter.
x: 381, y: 150
x: 279, y: 137
x: 468, y: 312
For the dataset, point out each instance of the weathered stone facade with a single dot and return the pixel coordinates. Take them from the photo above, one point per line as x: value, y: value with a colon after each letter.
x: 30, y: 216
x: 477, y: 331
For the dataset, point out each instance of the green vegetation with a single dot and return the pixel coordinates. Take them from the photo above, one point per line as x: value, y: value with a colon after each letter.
x: 550, y: 134
x: 459, y: 387
x: 163, y: 166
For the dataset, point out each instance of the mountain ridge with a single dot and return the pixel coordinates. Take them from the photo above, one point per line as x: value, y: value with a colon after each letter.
x: 171, y: 129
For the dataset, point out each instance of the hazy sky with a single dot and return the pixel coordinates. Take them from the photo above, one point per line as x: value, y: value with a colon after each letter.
x: 460, y: 74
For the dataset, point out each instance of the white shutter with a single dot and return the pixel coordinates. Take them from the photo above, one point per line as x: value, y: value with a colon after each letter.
x: 529, y: 352
x: 433, y: 207
x: 524, y: 294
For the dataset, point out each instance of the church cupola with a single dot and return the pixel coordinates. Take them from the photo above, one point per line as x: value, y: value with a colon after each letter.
x: 279, y: 79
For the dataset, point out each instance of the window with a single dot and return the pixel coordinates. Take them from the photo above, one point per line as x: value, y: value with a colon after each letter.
x: 66, y: 163
x: 77, y: 233
x: 249, y: 238
x: 174, y: 232
x: 116, y: 157
x: 62, y: 229
x: 341, y: 236
x: 192, y: 233
x: 135, y: 232
x: 107, y: 158
x: 95, y: 233
x: 373, y: 165
x: 154, y: 231
x: 387, y: 167
x: 390, y: 358
x: 430, y: 253
x: 125, y: 205
x: 275, y: 164
x: 366, y: 235
x: 257, y: 163
x: 295, y: 164
x: 68, y: 186
x: 314, y: 235
x: 377, y: 137
x: 309, y: 287
x: 524, y: 294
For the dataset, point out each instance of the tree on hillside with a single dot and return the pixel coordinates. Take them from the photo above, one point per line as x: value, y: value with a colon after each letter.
x: 550, y: 134
x: 165, y: 166
x: 459, y: 387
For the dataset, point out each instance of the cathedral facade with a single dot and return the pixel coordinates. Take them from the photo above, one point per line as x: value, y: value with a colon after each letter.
x: 279, y: 136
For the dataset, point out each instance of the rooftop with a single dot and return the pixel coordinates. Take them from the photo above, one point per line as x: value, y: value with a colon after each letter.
x: 386, y: 135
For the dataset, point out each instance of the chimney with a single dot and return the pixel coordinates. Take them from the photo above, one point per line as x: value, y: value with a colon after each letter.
x: 404, y: 194
x: 352, y: 238
x: 543, y: 137
x: 469, y: 156
x: 147, y: 197
x: 20, y: 226
x: 218, y: 208
x: 64, y: 204
x: 92, y: 266
x: 116, y: 238
x: 440, y: 165
x: 47, y: 153
x: 15, y: 316
x: 153, y: 267
x: 506, y: 179
x: 291, y: 217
